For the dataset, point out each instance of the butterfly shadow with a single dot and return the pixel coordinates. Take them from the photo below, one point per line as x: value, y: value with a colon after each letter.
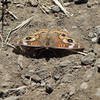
x: 44, y: 53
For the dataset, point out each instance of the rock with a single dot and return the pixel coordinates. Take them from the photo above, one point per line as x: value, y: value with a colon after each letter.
x: 88, y: 75
x: 84, y: 85
x: 20, y: 60
x: 97, y: 64
x: 55, y: 9
x: 7, y: 84
x: 97, y: 49
x: 43, y: 84
x: 67, y: 78
x: 74, y: 27
x: 64, y: 63
x: 3, y: 93
x: 89, y: 5
x: 33, y: 3
x: 97, y: 92
x: 67, y: 4
x: 94, y: 40
x: 72, y: 90
x: 31, y: 71
x: 26, y: 82
x: 49, y: 88
x: 20, y: 92
x: 12, y: 98
x: 56, y: 77
x: 20, y: 6
x: 97, y: 30
x: 91, y: 35
x: 88, y: 59
x: 36, y: 78
x: 27, y: 76
x: 80, y: 1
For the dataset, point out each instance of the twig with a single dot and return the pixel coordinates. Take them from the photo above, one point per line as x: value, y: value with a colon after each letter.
x: 8, y: 44
x: 42, y: 10
x: 62, y: 8
x: 14, y: 16
x: 1, y: 39
x: 18, y: 27
x: 82, y: 53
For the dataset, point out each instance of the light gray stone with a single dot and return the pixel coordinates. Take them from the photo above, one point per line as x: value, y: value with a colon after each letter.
x: 84, y: 85
x: 88, y: 59
x: 36, y: 78
x: 89, y: 5
x: 55, y: 9
x: 12, y: 98
x: 97, y: 92
x: 64, y: 63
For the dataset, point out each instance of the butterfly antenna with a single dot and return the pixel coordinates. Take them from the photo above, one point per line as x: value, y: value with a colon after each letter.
x: 4, y: 7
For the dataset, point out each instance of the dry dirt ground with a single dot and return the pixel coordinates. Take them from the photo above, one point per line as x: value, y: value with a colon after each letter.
x: 71, y: 77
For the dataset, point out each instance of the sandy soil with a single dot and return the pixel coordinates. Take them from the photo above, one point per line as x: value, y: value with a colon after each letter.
x: 71, y: 77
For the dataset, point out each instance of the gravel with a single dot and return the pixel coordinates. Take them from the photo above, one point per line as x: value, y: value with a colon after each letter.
x: 49, y: 88
x: 88, y: 59
x: 64, y: 63
x: 12, y: 98
x: 80, y: 1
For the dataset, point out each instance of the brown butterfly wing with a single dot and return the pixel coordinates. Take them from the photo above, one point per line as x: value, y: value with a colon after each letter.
x: 38, y: 39
x: 61, y: 40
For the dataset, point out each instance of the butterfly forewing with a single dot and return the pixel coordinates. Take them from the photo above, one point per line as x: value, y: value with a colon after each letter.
x: 38, y: 39
x: 62, y: 40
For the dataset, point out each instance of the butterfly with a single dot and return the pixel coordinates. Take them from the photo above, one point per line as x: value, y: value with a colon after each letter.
x: 57, y: 40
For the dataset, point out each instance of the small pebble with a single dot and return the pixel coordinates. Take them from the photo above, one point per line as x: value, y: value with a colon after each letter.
x: 55, y: 9
x: 3, y: 93
x: 94, y: 40
x: 91, y: 35
x: 84, y: 85
x: 88, y: 59
x: 36, y: 78
x: 27, y: 76
x: 56, y: 77
x: 12, y: 98
x: 97, y: 30
x: 89, y: 5
x: 26, y: 82
x: 43, y: 83
x: 97, y: 64
x: 20, y: 6
x: 98, y: 92
x: 80, y: 1
x: 64, y: 63
x: 49, y: 89
x: 72, y: 90
x: 67, y: 78
x: 33, y: 3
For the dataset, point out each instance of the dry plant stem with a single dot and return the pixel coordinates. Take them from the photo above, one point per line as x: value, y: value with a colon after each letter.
x: 18, y: 27
x: 62, y: 8
x: 8, y: 44
x: 42, y: 10
x: 82, y: 53
x: 14, y: 16
x: 1, y: 40
x: 61, y: 2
